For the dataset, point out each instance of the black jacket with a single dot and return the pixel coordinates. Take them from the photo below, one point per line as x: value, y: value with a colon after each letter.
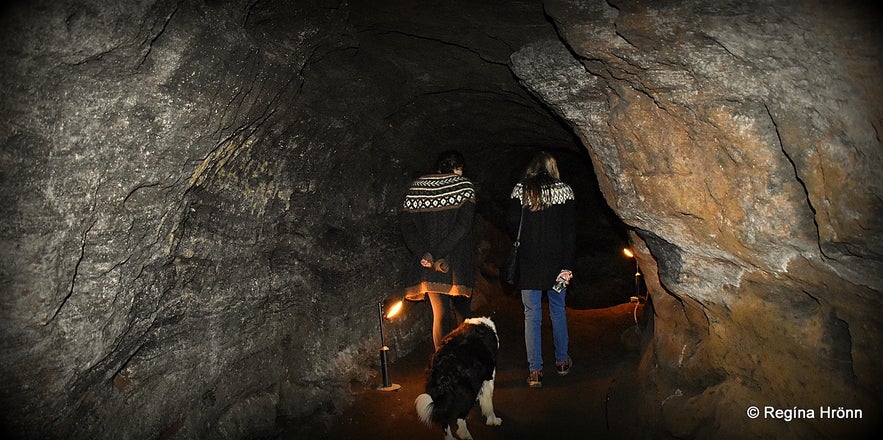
x: 436, y: 219
x: 547, y: 236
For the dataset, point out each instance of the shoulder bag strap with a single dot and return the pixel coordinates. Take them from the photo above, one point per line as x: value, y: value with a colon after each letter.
x: 520, y: 222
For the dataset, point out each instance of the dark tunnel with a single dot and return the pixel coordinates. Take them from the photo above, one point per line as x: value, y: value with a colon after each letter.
x: 200, y: 207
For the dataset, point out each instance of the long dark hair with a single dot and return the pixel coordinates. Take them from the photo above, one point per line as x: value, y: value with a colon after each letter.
x: 538, y: 178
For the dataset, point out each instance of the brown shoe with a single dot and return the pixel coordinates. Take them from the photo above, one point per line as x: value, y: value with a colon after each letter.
x: 564, y: 367
x: 535, y: 379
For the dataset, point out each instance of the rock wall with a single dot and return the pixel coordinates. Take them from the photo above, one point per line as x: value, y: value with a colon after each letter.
x: 184, y: 250
x: 741, y: 142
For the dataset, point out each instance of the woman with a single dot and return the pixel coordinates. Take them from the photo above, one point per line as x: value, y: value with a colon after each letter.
x: 545, y: 256
x: 436, y: 223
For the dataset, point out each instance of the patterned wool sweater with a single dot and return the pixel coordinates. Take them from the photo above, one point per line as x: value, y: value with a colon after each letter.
x: 436, y: 219
x: 547, y: 236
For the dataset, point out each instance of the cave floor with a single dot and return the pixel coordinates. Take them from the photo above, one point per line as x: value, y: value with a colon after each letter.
x: 595, y: 400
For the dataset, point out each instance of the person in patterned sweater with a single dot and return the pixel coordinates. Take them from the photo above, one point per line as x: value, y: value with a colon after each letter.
x: 436, y: 225
x: 545, y: 256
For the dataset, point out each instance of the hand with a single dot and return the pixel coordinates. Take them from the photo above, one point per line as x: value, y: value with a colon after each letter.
x: 566, y: 275
x: 427, y: 260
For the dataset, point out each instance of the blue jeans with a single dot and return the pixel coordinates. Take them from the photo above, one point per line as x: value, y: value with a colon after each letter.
x: 533, y: 320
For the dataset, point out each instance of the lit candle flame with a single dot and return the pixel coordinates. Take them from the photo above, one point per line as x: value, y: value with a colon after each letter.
x: 628, y: 253
x: 394, y: 309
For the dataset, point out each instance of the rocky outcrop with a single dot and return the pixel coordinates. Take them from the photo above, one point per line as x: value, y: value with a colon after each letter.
x: 741, y: 141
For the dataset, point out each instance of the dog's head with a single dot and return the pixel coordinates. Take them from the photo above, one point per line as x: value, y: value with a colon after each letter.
x: 487, y: 322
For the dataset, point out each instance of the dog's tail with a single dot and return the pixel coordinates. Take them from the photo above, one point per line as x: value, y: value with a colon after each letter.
x: 424, y: 408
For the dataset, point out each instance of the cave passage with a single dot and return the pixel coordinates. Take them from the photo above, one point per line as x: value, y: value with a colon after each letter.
x: 217, y: 184
x: 448, y: 67
x: 202, y: 196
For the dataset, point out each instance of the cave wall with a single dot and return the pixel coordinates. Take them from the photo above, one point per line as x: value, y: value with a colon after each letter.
x: 741, y: 142
x: 184, y: 250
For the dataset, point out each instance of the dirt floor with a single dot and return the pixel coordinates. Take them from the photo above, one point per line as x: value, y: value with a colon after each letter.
x: 593, y: 401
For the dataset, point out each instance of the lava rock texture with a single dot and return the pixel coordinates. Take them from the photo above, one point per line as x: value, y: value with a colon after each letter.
x: 741, y: 140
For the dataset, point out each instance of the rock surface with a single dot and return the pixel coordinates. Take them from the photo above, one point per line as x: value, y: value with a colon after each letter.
x: 741, y: 141
x: 177, y: 244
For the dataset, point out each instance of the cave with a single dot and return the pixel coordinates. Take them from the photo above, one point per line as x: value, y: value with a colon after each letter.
x: 200, y: 198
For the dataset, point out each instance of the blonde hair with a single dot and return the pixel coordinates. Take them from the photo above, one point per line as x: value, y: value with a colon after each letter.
x: 540, y: 174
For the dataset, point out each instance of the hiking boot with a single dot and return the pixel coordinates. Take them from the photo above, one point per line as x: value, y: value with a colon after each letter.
x: 564, y: 367
x: 535, y: 380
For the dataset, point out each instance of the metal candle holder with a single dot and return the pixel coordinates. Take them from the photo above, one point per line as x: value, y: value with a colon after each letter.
x: 384, y: 365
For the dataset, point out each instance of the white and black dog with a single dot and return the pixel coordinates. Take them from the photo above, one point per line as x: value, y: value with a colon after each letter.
x: 462, y: 371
